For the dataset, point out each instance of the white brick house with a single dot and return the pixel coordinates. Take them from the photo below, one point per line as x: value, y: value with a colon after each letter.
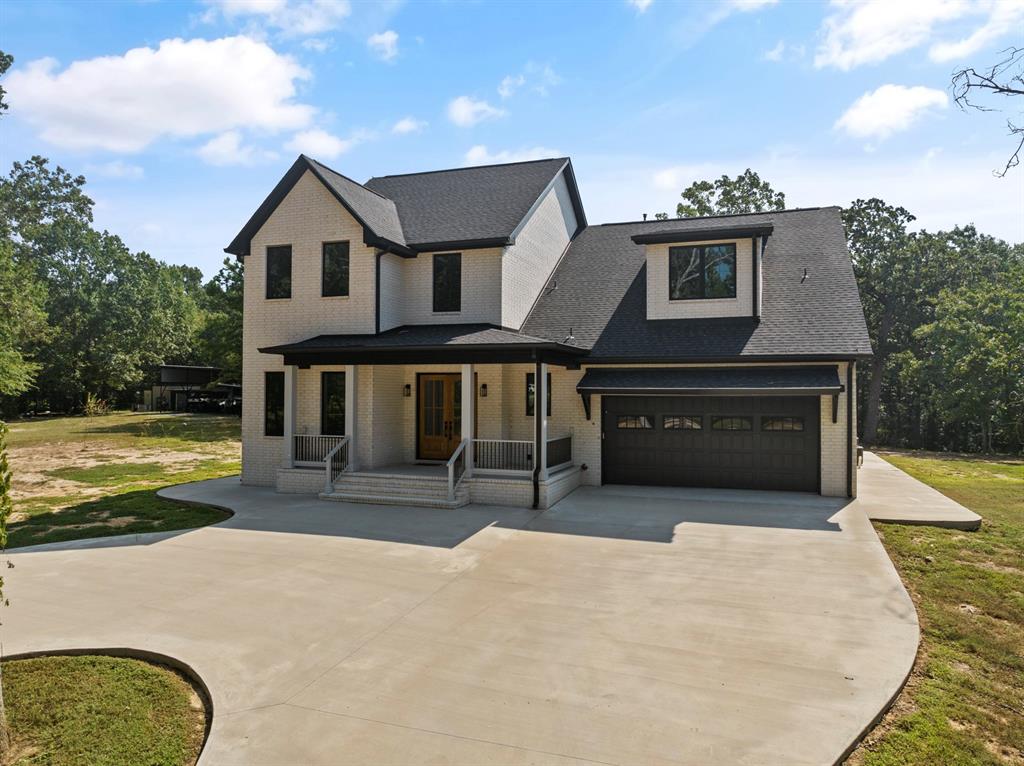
x: 400, y: 334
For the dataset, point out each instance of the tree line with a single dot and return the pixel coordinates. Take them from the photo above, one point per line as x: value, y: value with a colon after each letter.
x: 945, y: 314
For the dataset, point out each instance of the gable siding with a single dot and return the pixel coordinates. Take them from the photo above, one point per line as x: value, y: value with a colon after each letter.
x: 527, y: 265
x: 481, y: 289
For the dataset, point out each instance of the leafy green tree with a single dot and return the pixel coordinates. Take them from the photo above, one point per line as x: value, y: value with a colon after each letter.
x: 22, y: 322
x: 6, y: 508
x: 746, y: 193
x: 219, y: 341
x: 976, y: 349
x: 6, y: 60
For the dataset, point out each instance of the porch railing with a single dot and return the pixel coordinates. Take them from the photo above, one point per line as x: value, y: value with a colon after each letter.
x: 310, y: 449
x: 456, y: 467
x: 503, y: 455
x: 335, y: 462
x: 559, y: 452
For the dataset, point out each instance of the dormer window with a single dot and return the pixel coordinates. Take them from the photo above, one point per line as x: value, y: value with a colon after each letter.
x: 701, y: 271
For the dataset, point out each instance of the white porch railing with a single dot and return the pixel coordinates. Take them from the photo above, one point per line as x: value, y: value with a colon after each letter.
x: 335, y: 462
x: 310, y: 449
x: 456, y: 466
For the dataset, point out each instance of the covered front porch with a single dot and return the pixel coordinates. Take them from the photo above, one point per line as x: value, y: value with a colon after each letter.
x: 442, y: 432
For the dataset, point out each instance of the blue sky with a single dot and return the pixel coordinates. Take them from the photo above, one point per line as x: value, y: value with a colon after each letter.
x: 183, y: 115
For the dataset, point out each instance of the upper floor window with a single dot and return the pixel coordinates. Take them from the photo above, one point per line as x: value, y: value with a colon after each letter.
x: 273, y: 404
x: 279, y: 271
x: 448, y: 282
x: 335, y: 268
x: 702, y: 271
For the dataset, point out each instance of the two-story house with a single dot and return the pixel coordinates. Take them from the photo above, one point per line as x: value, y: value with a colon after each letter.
x: 464, y: 335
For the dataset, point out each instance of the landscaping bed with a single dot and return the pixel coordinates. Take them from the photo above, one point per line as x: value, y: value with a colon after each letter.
x: 80, y: 477
x: 101, y: 711
x: 964, y: 702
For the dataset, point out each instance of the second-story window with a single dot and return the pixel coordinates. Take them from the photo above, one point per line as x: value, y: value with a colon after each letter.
x: 448, y: 282
x: 279, y: 271
x: 701, y: 271
x: 335, y: 269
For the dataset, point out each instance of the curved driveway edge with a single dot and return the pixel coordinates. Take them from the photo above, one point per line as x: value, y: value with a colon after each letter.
x: 625, y: 625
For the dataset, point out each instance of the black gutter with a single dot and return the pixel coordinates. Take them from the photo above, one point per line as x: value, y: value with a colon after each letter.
x: 702, y: 235
x: 461, y: 244
x: 759, y: 391
x: 599, y: 360
x: 376, y: 288
x: 538, y: 403
x: 849, y: 428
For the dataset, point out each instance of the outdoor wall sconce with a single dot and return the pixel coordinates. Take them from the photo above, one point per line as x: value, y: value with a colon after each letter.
x: 407, y: 390
x: 483, y: 390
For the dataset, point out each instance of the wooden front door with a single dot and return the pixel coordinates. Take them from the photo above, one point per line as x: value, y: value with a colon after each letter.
x: 440, y: 421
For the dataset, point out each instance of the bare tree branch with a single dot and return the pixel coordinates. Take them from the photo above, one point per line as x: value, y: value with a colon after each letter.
x: 1006, y: 78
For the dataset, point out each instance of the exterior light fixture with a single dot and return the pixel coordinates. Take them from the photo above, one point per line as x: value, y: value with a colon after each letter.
x: 483, y: 390
x: 407, y: 390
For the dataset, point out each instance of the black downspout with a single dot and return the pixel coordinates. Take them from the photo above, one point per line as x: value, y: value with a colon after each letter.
x: 537, y: 404
x: 849, y: 428
x: 376, y: 289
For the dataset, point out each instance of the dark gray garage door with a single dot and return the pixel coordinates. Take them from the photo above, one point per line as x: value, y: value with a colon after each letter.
x: 708, y: 441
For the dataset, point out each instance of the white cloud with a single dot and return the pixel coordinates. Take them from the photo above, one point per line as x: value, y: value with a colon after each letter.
x: 465, y: 111
x: 116, y: 169
x: 384, y: 45
x: 1005, y: 16
x: 746, y: 6
x: 640, y: 5
x: 228, y: 149
x: 292, y: 17
x: 479, y: 155
x: 868, y: 31
x: 408, y: 125
x: 319, y: 144
x: 776, y: 53
x: 317, y: 44
x: 510, y: 84
x: 889, y: 109
x: 182, y: 89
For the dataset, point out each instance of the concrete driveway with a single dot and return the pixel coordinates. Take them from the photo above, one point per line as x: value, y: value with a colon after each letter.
x: 624, y: 626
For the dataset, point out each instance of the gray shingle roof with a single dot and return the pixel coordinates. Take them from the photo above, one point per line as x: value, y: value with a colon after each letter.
x: 475, y: 203
x: 601, y: 294
x: 414, y: 336
x: 376, y: 211
x: 710, y: 379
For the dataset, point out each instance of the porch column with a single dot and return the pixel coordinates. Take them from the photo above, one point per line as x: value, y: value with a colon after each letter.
x: 351, y: 413
x: 540, y: 413
x: 468, y: 413
x: 290, y: 380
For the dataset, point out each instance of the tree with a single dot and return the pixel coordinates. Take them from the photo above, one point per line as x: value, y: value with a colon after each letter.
x: 6, y: 507
x: 22, y: 322
x: 974, y: 90
x: 6, y: 60
x: 746, y: 193
x: 219, y: 341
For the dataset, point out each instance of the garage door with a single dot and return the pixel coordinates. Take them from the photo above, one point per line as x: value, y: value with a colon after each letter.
x: 706, y: 441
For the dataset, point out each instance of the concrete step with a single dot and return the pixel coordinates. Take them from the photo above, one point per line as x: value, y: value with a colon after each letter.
x: 388, y: 489
x: 461, y: 499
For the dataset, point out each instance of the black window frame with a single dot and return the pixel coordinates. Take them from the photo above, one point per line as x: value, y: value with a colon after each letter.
x: 274, y: 250
x: 327, y: 429
x: 702, y: 249
x: 531, y: 384
x: 638, y: 421
x: 748, y: 419
x: 456, y: 298
x: 684, y: 419
x: 323, y: 268
x: 790, y: 420
x: 268, y: 413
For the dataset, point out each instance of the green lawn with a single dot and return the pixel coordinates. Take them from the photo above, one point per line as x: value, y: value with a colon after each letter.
x: 101, y: 711
x: 964, y: 703
x: 84, y: 477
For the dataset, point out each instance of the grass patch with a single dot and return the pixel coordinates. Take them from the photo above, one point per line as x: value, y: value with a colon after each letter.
x: 965, y: 701
x: 93, y: 477
x: 103, y: 711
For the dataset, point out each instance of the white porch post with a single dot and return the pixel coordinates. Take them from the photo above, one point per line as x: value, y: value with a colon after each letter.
x: 468, y: 413
x: 351, y: 415
x: 540, y: 410
x: 290, y: 380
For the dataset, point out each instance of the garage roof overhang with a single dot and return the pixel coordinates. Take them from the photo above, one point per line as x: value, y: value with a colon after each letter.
x: 710, y: 381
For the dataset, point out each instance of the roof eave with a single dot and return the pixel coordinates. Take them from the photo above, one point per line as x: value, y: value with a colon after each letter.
x: 702, y: 235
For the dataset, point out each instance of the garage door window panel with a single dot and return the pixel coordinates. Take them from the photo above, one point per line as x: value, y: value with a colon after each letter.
x: 682, y: 423
x: 732, y: 423
x: 634, y: 422
x: 782, y: 423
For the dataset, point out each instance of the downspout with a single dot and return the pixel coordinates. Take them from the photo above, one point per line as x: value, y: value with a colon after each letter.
x: 849, y: 428
x: 537, y: 404
x: 376, y: 290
